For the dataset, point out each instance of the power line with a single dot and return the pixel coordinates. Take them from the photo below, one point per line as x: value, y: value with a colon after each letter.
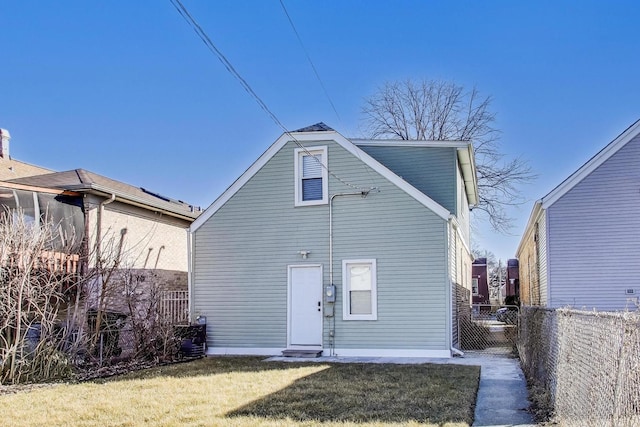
x: 212, y: 47
x: 182, y: 10
x: 313, y: 67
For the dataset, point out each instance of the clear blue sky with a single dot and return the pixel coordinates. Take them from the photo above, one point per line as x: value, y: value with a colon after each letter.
x: 127, y: 90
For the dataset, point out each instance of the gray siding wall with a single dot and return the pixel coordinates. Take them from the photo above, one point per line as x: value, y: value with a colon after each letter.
x: 431, y: 170
x: 242, y: 252
x: 594, y: 236
x: 542, y: 259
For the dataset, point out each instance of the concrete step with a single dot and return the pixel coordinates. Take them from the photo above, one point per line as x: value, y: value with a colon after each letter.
x: 301, y: 353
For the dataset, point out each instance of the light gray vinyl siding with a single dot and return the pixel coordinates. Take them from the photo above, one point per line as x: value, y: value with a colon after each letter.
x: 242, y: 252
x: 431, y: 170
x: 409, y: 244
x: 594, y: 236
x: 542, y: 259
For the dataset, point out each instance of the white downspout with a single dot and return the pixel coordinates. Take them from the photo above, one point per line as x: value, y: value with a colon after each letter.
x: 99, y: 241
x: 452, y: 234
x: 99, y: 228
x: 363, y: 193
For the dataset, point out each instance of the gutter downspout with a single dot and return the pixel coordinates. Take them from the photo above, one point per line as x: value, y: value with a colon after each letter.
x: 98, y: 265
x: 111, y: 199
x: 452, y: 234
x: 363, y: 193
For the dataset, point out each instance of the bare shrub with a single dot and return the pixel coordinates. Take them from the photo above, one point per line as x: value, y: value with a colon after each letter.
x: 31, y: 296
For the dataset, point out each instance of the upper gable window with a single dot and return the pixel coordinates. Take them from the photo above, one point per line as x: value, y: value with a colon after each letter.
x: 311, y: 176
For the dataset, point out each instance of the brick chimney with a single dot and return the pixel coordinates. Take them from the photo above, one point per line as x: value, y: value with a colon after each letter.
x: 4, y: 145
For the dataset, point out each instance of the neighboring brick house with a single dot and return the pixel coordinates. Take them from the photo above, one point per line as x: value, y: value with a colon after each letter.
x: 480, y: 281
x: 147, y: 229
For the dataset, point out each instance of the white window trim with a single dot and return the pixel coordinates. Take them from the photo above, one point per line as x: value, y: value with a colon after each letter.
x: 345, y: 291
x: 299, y: 152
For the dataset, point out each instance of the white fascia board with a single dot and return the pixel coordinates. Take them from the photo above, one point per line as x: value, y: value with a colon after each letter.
x: 467, y: 162
x: 537, y: 210
x: 409, y: 143
x: 591, y: 165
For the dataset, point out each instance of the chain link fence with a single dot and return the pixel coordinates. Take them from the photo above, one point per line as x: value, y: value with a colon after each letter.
x: 490, y: 330
x: 583, y: 367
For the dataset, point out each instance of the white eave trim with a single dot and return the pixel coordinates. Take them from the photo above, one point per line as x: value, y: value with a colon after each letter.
x: 409, y: 143
x: 466, y: 159
x: 537, y: 210
x: 319, y: 138
x: 591, y: 165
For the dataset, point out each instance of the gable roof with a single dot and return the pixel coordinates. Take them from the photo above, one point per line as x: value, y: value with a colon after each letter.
x: 312, y: 134
x: 539, y: 206
x: 591, y: 165
x: 83, y: 181
x: 12, y: 169
x: 464, y: 151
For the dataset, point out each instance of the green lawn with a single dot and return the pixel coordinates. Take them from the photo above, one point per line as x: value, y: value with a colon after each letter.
x: 245, y: 391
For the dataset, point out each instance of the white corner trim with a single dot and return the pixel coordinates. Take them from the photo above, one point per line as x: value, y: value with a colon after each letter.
x: 591, y: 165
x: 533, y: 218
x: 456, y: 225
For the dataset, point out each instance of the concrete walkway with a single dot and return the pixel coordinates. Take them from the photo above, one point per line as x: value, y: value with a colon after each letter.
x: 502, y: 396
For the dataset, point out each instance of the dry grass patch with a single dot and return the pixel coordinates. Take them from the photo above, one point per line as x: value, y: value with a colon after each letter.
x: 244, y: 391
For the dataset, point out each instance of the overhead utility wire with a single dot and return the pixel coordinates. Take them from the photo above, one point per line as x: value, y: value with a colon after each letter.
x: 313, y: 67
x: 207, y: 41
x: 182, y: 10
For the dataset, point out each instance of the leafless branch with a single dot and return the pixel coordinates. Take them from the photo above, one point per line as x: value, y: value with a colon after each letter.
x: 440, y: 110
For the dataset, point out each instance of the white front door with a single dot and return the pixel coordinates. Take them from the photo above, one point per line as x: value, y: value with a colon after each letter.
x: 305, y: 306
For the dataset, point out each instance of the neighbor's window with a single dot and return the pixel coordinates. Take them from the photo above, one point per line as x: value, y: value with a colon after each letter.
x: 474, y: 286
x: 359, y: 293
x: 311, y: 176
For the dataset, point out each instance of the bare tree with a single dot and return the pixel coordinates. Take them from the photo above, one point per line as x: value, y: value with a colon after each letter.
x: 32, y: 295
x: 438, y: 110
